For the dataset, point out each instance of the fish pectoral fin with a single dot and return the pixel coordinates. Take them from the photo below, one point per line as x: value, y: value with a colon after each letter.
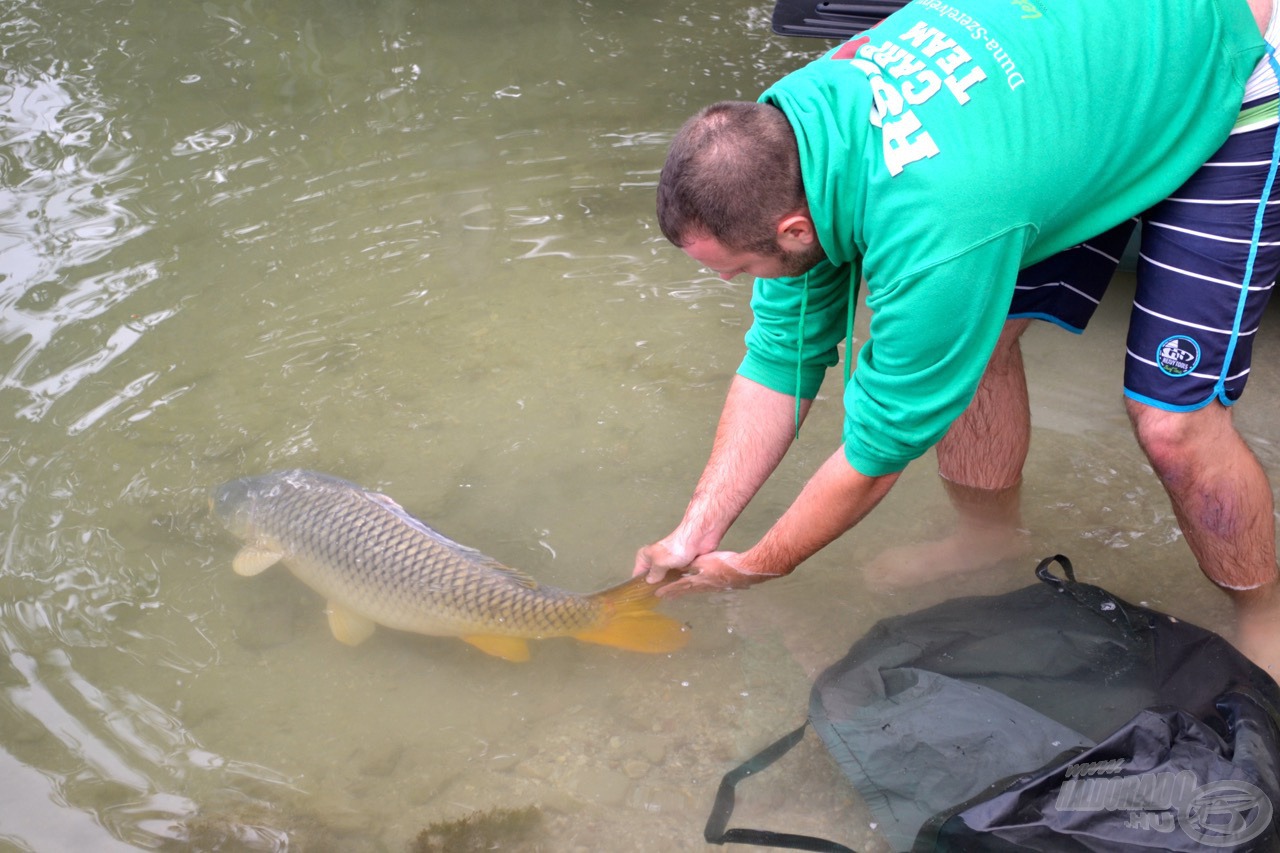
x: 348, y: 626
x: 514, y: 649
x: 252, y: 560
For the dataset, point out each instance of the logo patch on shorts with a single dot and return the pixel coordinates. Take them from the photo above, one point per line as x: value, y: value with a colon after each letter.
x: 1178, y: 355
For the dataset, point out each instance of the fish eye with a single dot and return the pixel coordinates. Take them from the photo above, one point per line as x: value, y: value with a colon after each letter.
x: 228, y: 496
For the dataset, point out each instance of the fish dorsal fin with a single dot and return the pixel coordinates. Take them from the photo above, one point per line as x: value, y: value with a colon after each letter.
x: 253, y: 560
x: 348, y: 626
x: 514, y: 649
x: 488, y: 562
x: 483, y: 559
x: 512, y: 574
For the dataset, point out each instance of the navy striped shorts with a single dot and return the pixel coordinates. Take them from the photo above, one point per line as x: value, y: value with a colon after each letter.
x: 1192, y: 326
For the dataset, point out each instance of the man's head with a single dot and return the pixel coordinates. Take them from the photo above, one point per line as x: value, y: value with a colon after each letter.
x: 731, y: 191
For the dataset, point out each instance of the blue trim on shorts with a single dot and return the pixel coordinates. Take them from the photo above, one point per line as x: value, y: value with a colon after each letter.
x: 1049, y: 318
x: 1220, y: 388
x: 1169, y: 407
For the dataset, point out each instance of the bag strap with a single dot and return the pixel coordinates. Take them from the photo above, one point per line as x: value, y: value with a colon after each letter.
x: 1042, y: 570
x: 1137, y: 621
x: 716, y: 832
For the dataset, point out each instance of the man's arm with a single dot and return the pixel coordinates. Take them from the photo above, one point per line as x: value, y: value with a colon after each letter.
x: 835, y: 499
x: 756, y: 427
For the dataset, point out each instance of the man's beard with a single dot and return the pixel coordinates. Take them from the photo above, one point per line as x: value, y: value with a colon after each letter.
x: 799, y: 263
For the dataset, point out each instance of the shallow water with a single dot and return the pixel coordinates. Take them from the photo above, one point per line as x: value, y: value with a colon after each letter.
x: 413, y: 245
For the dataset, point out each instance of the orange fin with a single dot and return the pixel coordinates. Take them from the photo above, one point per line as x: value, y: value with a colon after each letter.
x: 514, y: 649
x: 631, y: 622
x: 348, y: 626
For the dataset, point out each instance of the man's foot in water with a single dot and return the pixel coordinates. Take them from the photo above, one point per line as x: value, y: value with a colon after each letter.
x: 987, y: 532
x: 1257, y: 634
x: 964, y: 551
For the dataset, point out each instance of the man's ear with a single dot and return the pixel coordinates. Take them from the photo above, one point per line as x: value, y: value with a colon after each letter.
x: 795, y: 232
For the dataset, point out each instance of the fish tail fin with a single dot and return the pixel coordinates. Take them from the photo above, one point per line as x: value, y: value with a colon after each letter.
x: 630, y: 621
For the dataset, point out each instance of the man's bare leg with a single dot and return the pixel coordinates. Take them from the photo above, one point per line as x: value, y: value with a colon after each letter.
x: 980, y: 460
x: 1261, y: 13
x: 1223, y: 502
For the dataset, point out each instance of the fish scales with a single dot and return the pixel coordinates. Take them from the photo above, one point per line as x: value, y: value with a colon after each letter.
x: 376, y: 563
x: 367, y: 541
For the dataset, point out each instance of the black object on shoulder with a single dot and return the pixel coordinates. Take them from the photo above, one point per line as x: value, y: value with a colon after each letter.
x: 830, y: 20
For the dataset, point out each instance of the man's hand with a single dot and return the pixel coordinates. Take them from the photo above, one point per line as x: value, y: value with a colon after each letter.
x: 717, y: 570
x: 661, y: 557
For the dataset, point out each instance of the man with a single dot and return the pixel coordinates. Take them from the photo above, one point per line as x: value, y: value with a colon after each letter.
x: 977, y: 162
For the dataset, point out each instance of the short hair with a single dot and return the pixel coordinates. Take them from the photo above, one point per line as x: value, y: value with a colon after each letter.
x: 732, y: 173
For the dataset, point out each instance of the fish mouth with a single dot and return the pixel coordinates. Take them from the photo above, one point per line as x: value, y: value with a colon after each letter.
x: 230, y: 499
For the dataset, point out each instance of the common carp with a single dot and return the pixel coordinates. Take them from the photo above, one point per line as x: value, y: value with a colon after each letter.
x: 376, y: 563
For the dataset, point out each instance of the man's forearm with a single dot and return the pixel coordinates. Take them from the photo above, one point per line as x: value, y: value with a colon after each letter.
x: 756, y: 427
x: 835, y: 499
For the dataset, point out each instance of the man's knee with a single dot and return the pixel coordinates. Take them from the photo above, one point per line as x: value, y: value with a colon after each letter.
x: 1175, y: 441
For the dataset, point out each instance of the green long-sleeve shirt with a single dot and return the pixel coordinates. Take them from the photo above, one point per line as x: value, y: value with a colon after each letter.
x: 957, y: 143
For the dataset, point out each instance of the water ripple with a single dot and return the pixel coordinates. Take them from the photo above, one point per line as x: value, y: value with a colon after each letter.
x: 115, y: 739
x: 62, y: 160
x: 212, y: 139
x: 45, y: 372
x: 70, y: 205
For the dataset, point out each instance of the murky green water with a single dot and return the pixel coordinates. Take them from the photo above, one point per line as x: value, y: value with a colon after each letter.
x: 412, y: 244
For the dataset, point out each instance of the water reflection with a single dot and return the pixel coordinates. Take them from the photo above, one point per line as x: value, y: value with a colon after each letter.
x: 70, y: 206
x: 105, y: 749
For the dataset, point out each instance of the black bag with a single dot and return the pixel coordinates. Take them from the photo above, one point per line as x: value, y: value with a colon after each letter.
x: 1056, y: 718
